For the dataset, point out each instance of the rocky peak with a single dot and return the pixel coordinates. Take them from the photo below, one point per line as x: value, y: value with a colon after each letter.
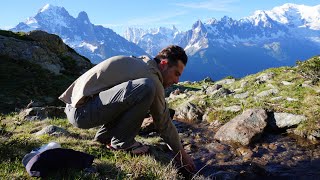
x: 198, y: 25
x: 297, y: 16
x: 83, y: 17
x: 50, y: 10
x: 261, y: 18
x: 227, y: 20
x: 212, y: 21
x: 174, y: 28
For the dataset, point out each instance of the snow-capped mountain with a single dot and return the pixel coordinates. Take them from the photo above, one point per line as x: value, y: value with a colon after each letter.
x: 153, y: 40
x: 95, y: 42
x: 216, y: 48
x: 297, y: 15
x: 219, y: 48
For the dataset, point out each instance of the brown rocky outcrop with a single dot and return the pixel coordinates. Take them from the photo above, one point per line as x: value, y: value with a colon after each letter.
x: 44, y: 49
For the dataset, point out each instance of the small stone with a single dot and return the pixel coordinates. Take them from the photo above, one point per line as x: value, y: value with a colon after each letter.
x: 272, y: 146
x: 243, y: 151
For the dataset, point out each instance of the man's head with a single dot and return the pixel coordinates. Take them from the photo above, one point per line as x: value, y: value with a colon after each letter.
x: 172, y: 61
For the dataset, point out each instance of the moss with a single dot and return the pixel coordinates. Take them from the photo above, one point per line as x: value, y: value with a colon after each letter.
x: 22, y: 82
x: 222, y: 116
x: 18, y: 35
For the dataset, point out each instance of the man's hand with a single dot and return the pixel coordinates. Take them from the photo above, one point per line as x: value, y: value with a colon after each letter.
x: 186, y: 161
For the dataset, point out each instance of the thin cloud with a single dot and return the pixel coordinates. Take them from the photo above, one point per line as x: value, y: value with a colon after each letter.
x: 154, y: 20
x: 6, y: 27
x: 211, y: 5
x: 148, y: 21
x: 112, y: 25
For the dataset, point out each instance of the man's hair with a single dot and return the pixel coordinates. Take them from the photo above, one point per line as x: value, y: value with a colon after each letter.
x: 173, y: 53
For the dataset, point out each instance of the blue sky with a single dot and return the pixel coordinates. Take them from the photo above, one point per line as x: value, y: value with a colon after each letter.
x: 119, y: 14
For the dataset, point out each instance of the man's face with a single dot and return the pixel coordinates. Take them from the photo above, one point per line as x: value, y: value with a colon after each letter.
x: 171, y: 74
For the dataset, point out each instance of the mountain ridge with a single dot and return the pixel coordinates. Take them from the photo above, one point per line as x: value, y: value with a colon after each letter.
x: 216, y: 48
x: 93, y: 41
x: 219, y: 48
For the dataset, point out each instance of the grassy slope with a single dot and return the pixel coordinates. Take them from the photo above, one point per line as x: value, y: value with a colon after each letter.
x: 17, y: 139
x: 308, y: 99
x: 22, y: 81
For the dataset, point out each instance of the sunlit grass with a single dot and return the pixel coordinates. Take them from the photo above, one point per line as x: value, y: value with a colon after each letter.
x: 17, y: 138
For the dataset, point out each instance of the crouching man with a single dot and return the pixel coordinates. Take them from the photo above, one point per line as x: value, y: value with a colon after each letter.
x: 117, y: 93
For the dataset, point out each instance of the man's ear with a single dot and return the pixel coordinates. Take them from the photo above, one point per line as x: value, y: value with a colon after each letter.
x: 163, y: 63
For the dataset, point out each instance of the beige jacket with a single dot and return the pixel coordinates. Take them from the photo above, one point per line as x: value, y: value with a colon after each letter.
x: 119, y: 69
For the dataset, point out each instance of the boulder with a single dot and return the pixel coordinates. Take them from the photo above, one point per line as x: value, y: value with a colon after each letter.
x: 52, y: 130
x: 287, y: 120
x: 243, y: 129
x: 189, y: 112
x: 41, y: 113
x: 264, y: 77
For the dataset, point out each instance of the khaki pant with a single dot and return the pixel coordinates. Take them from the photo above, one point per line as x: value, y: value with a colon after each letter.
x: 119, y: 111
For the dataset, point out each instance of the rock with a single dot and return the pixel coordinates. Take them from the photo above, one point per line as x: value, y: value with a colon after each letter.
x: 271, y: 86
x: 264, y: 77
x: 205, y: 117
x: 286, y: 120
x: 238, y: 90
x: 241, y: 96
x: 307, y: 84
x: 226, y: 81
x: 243, y: 129
x: 189, y: 112
x: 207, y: 79
x: 276, y: 98
x: 191, y: 148
x: 202, y: 103
x: 211, y: 89
x: 222, y: 92
x: 286, y: 83
x: 44, y: 49
x: 291, y: 99
x: 234, y: 108
x: 244, y: 84
x: 216, y: 147
x: 177, y: 91
x: 177, y: 96
x: 268, y: 92
x: 315, y: 133
x: 52, y: 130
x: 215, y: 124
x: 246, y: 153
x: 41, y: 113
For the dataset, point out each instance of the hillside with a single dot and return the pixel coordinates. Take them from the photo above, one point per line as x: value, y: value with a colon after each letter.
x: 36, y: 66
x: 212, y: 105
x: 285, y: 89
